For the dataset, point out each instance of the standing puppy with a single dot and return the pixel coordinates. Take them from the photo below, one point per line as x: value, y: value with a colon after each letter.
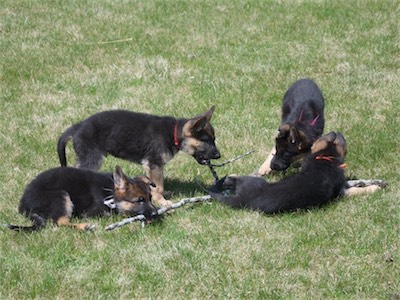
x: 302, y: 124
x: 141, y: 138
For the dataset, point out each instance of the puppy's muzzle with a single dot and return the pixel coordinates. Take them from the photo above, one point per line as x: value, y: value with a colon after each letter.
x: 204, y: 157
x: 279, y: 164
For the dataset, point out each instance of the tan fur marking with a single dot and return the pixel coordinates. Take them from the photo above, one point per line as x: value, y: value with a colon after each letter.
x: 68, y: 206
x: 340, y: 145
x: 361, y: 190
x: 65, y: 221
x: 156, y: 176
x: 265, y: 168
x: 186, y: 129
x: 319, y: 145
x: 125, y: 206
x: 283, y: 129
x: 303, y: 140
x: 190, y: 145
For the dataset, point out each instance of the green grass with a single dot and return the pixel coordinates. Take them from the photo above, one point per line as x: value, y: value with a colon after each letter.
x: 62, y: 61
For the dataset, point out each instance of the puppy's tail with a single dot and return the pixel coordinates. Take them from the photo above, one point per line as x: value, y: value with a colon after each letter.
x: 38, y: 224
x: 62, y: 143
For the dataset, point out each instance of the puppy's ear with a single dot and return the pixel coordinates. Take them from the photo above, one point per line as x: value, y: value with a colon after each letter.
x: 208, y: 114
x: 199, y: 124
x: 302, y: 141
x: 194, y: 126
x: 283, y: 131
x: 146, y: 180
x: 330, y: 137
x: 294, y: 135
x: 340, y: 144
x: 119, y: 178
x: 202, y: 120
x: 322, y: 142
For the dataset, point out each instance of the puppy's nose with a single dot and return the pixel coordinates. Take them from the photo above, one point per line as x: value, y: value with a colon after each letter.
x: 216, y: 155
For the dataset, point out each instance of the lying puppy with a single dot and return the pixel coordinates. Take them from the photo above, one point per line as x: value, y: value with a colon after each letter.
x: 61, y: 193
x: 141, y: 138
x: 302, y: 124
x: 320, y: 180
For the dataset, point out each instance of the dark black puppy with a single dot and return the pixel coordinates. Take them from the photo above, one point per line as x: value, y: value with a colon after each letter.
x: 320, y: 180
x: 302, y: 124
x: 61, y: 193
x: 141, y: 138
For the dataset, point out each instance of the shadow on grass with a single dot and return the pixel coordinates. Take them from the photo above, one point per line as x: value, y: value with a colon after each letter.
x: 183, y: 189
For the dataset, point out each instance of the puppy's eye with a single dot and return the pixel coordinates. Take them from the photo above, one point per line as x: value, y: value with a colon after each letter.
x: 140, y: 199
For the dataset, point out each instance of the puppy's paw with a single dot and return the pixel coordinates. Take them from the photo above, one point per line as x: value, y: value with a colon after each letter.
x: 84, y: 226
x: 262, y: 172
x: 161, y: 202
x: 89, y: 227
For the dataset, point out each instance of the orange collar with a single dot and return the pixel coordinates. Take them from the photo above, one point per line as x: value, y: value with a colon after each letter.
x: 324, y: 157
x: 329, y: 158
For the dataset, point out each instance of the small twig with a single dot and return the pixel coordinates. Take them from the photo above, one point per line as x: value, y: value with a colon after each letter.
x: 213, y: 172
x: 212, y: 166
x: 232, y: 159
x: 109, y: 42
x: 160, y: 211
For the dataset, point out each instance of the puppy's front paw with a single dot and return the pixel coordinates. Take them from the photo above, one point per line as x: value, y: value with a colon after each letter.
x: 373, y: 188
x: 164, y: 202
x: 161, y: 201
x: 89, y: 227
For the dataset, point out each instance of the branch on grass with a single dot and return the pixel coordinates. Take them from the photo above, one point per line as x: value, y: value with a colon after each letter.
x: 160, y: 211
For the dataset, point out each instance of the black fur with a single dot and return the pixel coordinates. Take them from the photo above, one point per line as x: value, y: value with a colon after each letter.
x: 318, y: 182
x: 141, y: 138
x: 47, y: 196
x: 302, y: 122
x: 133, y: 136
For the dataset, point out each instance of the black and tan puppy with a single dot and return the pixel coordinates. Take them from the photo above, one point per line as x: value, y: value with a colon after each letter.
x: 61, y: 193
x: 320, y: 180
x: 141, y: 138
x: 302, y: 124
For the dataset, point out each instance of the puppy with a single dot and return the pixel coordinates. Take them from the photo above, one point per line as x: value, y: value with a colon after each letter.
x: 141, y: 138
x: 302, y: 124
x: 320, y: 180
x: 61, y: 193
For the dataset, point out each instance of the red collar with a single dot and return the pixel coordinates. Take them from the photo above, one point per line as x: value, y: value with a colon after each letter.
x: 176, y: 139
x: 329, y: 158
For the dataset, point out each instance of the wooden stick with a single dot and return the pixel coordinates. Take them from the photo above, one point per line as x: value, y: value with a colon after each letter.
x: 160, y: 211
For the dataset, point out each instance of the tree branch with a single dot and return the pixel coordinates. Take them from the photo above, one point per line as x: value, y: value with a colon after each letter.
x: 160, y: 211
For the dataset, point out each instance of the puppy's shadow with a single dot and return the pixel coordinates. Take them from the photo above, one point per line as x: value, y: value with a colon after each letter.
x: 178, y: 188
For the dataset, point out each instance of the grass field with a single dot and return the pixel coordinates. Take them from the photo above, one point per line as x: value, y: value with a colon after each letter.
x: 62, y: 61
